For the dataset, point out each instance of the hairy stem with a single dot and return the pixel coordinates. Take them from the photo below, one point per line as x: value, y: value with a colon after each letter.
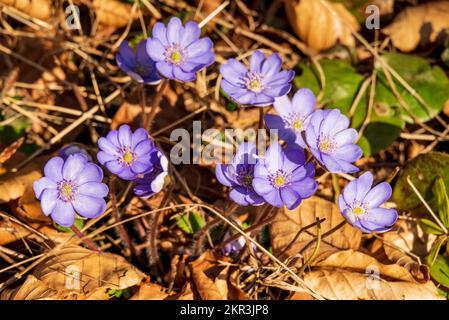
x: 88, y: 242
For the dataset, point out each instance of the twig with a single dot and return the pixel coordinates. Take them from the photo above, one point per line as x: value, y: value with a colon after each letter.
x: 88, y: 242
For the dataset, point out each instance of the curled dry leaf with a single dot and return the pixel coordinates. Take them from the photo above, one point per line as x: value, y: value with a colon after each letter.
x: 149, y: 291
x: 352, y: 275
x: 113, y: 13
x: 320, y: 23
x: 210, y: 278
x: 405, y: 239
x: 10, y: 150
x: 417, y: 24
x: 126, y: 113
x: 13, y: 185
x: 40, y: 9
x: 288, y: 223
x: 77, y: 273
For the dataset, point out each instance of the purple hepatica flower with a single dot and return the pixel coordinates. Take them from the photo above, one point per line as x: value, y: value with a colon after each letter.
x: 69, y: 186
x: 73, y: 148
x: 125, y: 153
x: 178, y: 50
x: 331, y: 142
x: 153, y: 181
x: 239, y: 176
x: 137, y: 64
x: 359, y: 204
x: 259, y: 85
x: 284, y: 177
x: 293, y: 116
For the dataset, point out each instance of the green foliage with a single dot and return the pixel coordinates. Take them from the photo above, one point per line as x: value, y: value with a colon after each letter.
x: 441, y: 201
x: 440, y: 270
x: 79, y: 224
x: 423, y: 171
x: 433, y: 254
x: 429, y: 82
x: 190, y: 222
x: 120, y: 293
x: 429, y: 226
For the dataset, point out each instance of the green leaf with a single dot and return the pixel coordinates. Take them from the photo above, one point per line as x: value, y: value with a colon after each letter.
x: 342, y: 85
x: 431, y: 83
x: 120, y: 293
x: 429, y: 226
x: 433, y: 254
x: 79, y: 224
x: 440, y: 270
x: 190, y: 222
x: 441, y: 201
x: 423, y: 171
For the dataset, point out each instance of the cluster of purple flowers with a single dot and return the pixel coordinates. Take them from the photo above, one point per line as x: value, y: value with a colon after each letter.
x: 72, y: 183
x: 174, y: 52
x: 283, y: 177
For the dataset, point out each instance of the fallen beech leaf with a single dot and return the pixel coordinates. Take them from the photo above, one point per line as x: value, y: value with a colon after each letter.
x: 10, y: 150
x: 77, y: 273
x: 409, y: 238
x: 345, y: 285
x: 287, y: 223
x: 13, y: 185
x: 353, y: 275
x: 29, y: 207
x: 126, y: 113
x: 113, y: 13
x: 320, y: 23
x: 40, y: 9
x: 149, y: 291
x: 208, y: 277
x: 428, y: 19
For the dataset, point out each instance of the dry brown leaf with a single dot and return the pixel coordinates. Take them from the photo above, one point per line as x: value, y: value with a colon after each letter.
x: 126, y: 113
x: 10, y: 150
x: 13, y: 185
x: 208, y: 277
x: 58, y: 274
x: 409, y: 26
x: 320, y: 23
x: 345, y: 285
x: 352, y: 275
x: 29, y: 208
x: 113, y: 13
x: 407, y: 237
x: 40, y: 9
x: 149, y: 291
x: 287, y: 223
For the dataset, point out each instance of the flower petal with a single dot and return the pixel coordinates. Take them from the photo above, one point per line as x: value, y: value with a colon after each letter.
x: 48, y: 200
x: 90, y: 173
x: 183, y: 76
x: 107, y: 146
x: 274, y: 198
x: 94, y: 189
x: 165, y: 69
x: 283, y: 106
x: 125, y: 136
x: 63, y: 214
x: 262, y: 186
x: 73, y: 166
x: 233, y: 71
x: 239, y: 195
x: 174, y: 30
x: 191, y: 33
x: 378, y: 195
x: 304, y: 101
x: 199, y: 47
x: 290, y: 198
x: 271, y: 65
x: 89, y: 207
x: 53, y: 169
x: 155, y: 49
x: 256, y: 61
x: 379, y: 219
x: 222, y: 175
x: 40, y: 185
x: 160, y: 33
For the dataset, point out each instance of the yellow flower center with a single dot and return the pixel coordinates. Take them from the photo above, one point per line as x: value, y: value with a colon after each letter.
x: 358, y: 211
x: 279, y: 181
x: 66, y: 190
x: 176, y: 56
x: 297, y: 125
x: 127, y: 157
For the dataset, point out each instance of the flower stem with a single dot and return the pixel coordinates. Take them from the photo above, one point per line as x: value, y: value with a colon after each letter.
x: 155, y: 104
x: 143, y: 99
x: 88, y: 242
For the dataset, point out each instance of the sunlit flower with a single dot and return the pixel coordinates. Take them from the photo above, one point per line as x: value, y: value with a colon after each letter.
x: 360, y: 205
x: 125, y: 153
x: 137, y: 64
x: 293, y: 116
x: 331, y: 142
x: 71, y: 186
x: 239, y: 176
x: 259, y: 85
x: 178, y: 50
x: 153, y: 181
x: 282, y: 177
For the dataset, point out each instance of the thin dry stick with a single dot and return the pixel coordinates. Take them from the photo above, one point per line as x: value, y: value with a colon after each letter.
x: 418, y: 194
x: 154, y: 106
